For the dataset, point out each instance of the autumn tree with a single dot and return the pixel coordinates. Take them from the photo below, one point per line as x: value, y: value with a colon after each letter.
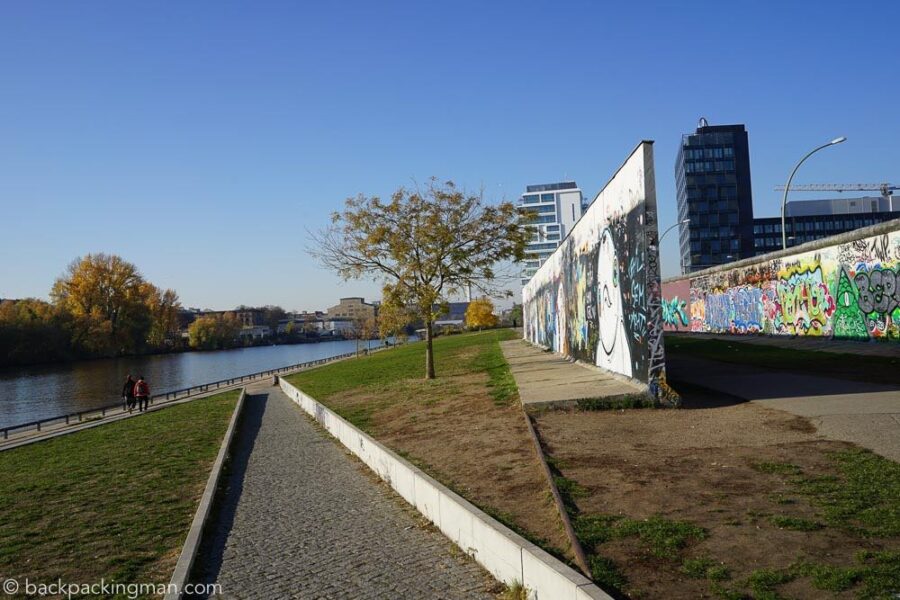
x: 480, y: 314
x: 163, y: 307
x: 393, y: 321
x: 106, y: 297
x: 213, y: 332
x: 33, y: 331
x: 425, y: 244
x: 113, y: 309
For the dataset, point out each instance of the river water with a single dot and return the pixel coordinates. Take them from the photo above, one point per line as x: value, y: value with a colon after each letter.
x: 39, y: 392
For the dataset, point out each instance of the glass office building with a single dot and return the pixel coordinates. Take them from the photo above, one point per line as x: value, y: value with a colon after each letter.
x: 809, y: 220
x: 712, y: 177
x: 554, y: 210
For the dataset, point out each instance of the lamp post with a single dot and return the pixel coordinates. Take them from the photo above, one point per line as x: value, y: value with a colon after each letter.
x: 668, y: 229
x: 788, y: 186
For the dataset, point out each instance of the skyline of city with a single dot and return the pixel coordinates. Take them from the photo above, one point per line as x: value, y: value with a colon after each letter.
x: 166, y: 152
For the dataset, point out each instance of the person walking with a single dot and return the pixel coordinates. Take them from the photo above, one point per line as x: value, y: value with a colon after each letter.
x: 128, y: 393
x: 142, y: 393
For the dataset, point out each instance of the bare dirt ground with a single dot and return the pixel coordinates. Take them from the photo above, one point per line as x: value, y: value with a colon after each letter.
x: 730, y: 469
x: 453, y: 429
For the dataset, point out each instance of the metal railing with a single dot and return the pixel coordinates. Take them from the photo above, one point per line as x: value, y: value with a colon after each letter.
x: 180, y: 394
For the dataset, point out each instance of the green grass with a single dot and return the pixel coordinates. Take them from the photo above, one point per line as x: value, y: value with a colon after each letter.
x: 661, y: 537
x: 828, y: 577
x: 863, y: 499
x: 500, y: 380
x: 795, y: 523
x: 858, y: 367
x: 112, y: 502
x: 605, y: 573
x: 776, y: 468
x: 384, y: 369
x: 703, y: 567
x: 762, y: 582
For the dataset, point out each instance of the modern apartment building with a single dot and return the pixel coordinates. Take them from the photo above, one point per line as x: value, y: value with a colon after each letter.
x: 712, y: 177
x: 808, y: 220
x: 556, y: 208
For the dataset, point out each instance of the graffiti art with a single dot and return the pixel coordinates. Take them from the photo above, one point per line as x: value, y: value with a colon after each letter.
x: 597, y: 298
x: 845, y: 291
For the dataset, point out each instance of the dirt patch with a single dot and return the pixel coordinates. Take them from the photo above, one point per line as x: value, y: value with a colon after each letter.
x: 453, y: 429
x: 727, y: 469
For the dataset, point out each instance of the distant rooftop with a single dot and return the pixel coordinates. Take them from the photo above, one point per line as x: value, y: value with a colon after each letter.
x: 552, y: 187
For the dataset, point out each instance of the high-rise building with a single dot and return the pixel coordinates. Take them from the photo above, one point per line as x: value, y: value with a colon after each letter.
x: 556, y: 208
x: 712, y: 177
x: 808, y: 220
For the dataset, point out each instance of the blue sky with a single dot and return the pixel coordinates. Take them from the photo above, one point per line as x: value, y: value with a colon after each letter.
x: 200, y: 140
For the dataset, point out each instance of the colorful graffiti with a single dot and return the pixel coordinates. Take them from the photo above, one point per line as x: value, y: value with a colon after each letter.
x: 676, y: 306
x: 845, y: 291
x: 597, y: 298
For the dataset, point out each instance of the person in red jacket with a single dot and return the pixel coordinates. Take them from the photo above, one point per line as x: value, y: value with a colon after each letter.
x: 142, y: 393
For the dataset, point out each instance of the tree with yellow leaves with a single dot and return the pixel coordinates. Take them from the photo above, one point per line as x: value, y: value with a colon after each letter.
x: 425, y: 244
x: 114, y: 310
x: 214, y: 332
x: 480, y: 314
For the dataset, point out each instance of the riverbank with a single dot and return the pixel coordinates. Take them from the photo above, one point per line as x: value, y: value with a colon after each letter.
x: 268, y: 342
x: 32, y: 393
x: 113, y: 502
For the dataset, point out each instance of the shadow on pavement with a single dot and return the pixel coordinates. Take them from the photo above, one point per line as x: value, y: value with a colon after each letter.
x: 231, y: 484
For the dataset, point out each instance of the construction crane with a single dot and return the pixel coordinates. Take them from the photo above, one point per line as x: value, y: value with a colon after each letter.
x: 886, y: 189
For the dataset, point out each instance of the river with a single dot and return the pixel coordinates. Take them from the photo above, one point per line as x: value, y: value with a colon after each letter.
x: 44, y: 391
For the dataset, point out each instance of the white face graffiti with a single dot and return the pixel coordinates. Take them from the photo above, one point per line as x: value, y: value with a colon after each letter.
x: 612, y: 352
x: 610, y: 300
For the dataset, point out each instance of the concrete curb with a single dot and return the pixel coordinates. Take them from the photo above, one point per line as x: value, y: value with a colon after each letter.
x: 192, y: 542
x: 577, y: 549
x: 503, y: 553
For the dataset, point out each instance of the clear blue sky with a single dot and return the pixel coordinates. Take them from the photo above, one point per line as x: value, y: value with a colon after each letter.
x: 200, y: 139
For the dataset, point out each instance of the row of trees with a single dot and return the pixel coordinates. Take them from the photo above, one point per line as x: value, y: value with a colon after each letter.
x: 101, y: 306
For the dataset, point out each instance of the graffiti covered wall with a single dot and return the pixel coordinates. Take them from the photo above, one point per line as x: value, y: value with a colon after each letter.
x: 597, y: 298
x: 848, y: 290
x: 676, y: 311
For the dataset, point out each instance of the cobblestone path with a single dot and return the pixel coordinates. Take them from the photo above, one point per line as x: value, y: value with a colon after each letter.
x: 300, y: 518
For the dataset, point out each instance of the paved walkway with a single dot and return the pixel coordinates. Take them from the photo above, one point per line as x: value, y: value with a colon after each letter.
x: 867, y: 414
x: 889, y: 349
x: 546, y: 378
x: 300, y: 518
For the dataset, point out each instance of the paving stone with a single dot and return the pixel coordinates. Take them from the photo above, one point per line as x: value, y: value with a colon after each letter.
x: 300, y: 518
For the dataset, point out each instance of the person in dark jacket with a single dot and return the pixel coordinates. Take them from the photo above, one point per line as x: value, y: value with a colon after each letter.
x: 142, y: 393
x: 128, y: 393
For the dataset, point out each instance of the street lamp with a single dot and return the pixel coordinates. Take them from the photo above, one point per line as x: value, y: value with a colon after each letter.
x: 788, y: 186
x: 670, y: 228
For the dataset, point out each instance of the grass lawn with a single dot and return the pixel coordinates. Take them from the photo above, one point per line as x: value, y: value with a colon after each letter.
x: 112, y: 502
x: 465, y: 428
x: 857, y: 367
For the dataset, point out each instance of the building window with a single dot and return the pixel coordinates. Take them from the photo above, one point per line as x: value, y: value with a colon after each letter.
x: 547, y: 197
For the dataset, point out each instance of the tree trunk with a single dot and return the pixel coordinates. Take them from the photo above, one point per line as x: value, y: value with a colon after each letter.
x: 429, y: 352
